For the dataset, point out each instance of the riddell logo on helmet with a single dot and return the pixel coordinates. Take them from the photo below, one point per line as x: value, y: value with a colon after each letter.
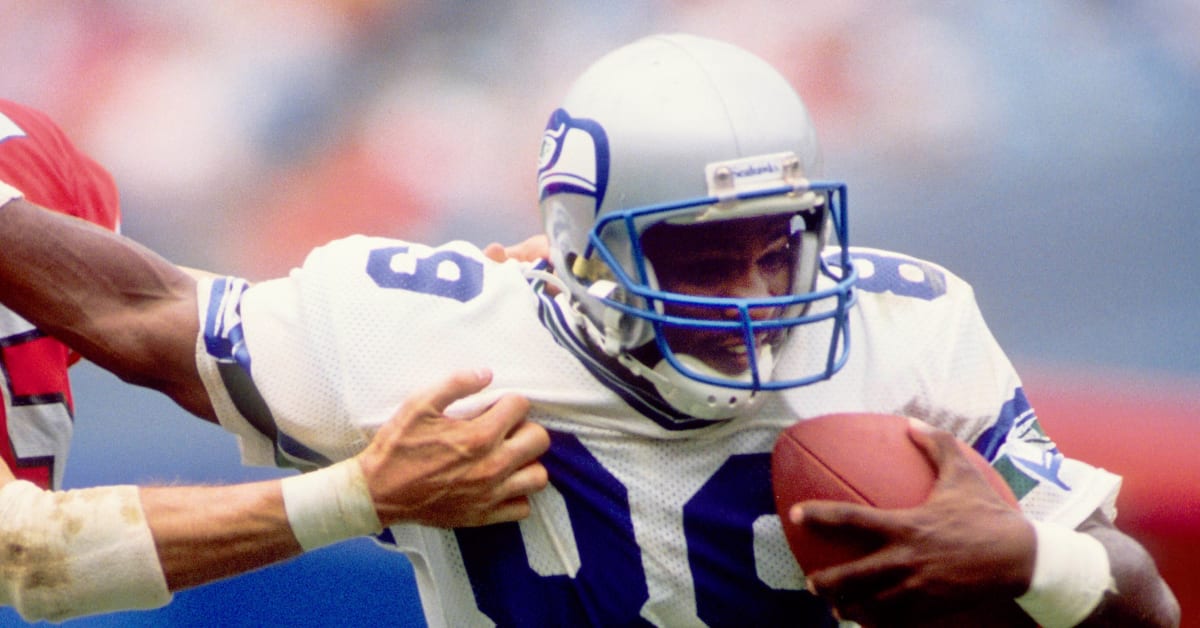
x: 755, y: 169
x: 751, y: 173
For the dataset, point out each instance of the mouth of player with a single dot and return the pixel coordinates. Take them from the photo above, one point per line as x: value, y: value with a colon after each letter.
x: 729, y: 354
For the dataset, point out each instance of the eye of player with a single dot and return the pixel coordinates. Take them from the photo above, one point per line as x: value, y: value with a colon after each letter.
x: 778, y: 256
x: 734, y: 258
x: 698, y: 275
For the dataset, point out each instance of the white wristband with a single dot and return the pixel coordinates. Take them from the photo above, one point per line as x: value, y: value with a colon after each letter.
x: 80, y: 552
x: 329, y: 505
x: 1070, y: 575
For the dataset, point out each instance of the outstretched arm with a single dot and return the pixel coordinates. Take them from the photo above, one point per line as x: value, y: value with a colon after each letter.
x: 420, y: 467
x: 118, y: 303
x: 114, y: 301
x: 129, y: 547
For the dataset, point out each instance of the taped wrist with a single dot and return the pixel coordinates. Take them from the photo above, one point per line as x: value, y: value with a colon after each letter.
x: 1070, y: 575
x: 79, y: 552
x: 329, y: 505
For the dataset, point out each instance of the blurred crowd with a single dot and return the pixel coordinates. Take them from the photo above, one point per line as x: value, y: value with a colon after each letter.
x: 1045, y: 151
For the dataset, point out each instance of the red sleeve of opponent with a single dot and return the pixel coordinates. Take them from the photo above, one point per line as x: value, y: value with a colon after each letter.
x: 37, y: 158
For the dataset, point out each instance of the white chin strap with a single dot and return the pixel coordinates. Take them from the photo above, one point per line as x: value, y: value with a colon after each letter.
x: 698, y: 399
x: 692, y: 397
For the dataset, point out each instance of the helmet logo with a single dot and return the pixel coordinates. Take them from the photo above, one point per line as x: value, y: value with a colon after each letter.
x: 573, y: 158
x: 727, y: 178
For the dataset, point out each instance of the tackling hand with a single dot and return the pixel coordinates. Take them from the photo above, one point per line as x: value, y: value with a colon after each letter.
x: 427, y: 468
x: 532, y: 249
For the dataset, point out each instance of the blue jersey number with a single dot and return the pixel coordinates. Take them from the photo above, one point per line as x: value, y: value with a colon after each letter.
x: 610, y: 587
x: 442, y: 273
x: 902, y: 276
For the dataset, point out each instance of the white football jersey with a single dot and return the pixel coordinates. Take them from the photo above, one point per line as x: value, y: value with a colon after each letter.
x: 650, y: 517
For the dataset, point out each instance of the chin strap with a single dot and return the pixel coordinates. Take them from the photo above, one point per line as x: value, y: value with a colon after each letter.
x: 693, y: 397
x: 608, y: 338
x: 690, y: 396
x: 709, y: 401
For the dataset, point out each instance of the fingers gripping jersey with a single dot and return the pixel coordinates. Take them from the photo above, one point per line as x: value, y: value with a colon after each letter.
x: 36, y: 415
x: 644, y: 522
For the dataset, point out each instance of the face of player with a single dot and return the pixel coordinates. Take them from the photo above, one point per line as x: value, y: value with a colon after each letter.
x: 746, y: 258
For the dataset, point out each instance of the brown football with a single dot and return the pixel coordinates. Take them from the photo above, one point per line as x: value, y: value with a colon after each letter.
x: 866, y: 459
x: 855, y: 457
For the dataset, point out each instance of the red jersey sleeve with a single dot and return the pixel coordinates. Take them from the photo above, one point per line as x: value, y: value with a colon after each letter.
x: 36, y: 411
x: 37, y: 158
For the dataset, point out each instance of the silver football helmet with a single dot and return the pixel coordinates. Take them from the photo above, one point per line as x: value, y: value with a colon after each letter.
x: 679, y: 131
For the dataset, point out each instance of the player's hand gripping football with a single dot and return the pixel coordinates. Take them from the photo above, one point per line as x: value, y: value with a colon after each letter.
x: 962, y: 553
x: 427, y: 468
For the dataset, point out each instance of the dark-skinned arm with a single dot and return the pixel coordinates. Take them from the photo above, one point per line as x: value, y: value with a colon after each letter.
x: 114, y: 301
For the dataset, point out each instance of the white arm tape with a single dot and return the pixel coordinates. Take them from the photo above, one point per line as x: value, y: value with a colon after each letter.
x: 1070, y: 575
x: 69, y: 553
x: 329, y: 505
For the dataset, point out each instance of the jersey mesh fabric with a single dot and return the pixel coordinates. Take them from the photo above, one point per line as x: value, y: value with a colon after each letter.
x: 673, y: 526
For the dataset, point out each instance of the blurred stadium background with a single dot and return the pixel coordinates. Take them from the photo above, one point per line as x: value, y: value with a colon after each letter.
x: 1047, y: 152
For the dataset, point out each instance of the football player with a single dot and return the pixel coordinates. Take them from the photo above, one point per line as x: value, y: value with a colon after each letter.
x: 701, y: 296
x: 71, y: 553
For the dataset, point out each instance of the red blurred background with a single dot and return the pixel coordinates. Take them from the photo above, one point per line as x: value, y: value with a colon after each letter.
x: 1148, y: 431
